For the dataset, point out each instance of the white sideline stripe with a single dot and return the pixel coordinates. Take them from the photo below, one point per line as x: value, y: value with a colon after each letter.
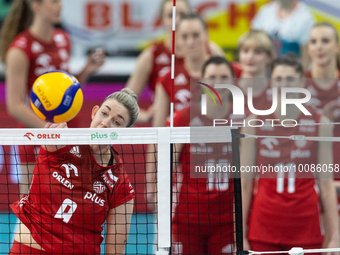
x: 78, y: 136
x: 164, y: 189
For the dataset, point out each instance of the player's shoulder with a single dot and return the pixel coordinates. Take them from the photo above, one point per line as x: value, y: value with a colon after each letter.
x: 23, y: 40
x: 158, y: 45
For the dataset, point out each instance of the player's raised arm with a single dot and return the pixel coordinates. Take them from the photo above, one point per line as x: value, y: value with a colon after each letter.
x: 51, y: 148
x: 141, y: 75
x: 94, y: 61
x: 16, y: 89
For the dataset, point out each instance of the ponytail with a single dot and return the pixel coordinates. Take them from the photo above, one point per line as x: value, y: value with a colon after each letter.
x: 17, y: 21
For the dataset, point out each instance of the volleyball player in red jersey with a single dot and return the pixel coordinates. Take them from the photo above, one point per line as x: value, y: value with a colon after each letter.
x: 323, y: 80
x: 284, y: 212
x: 30, y: 46
x: 199, y: 224
x: 255, y: 54
x: 69, y: 218
x: 155, y: 61
x: 192, y: 37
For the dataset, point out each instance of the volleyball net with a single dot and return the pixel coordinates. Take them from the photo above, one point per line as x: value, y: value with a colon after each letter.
x: 70, y: 196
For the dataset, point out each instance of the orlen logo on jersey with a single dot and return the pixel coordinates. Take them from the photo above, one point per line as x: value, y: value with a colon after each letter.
x: 109, y: 178
x: 94, y: 198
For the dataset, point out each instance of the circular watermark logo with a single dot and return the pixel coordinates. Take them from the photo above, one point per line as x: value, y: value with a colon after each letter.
x: 114, y: 136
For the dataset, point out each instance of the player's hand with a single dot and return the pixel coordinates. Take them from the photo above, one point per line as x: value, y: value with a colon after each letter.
x: 333, y: 243
x: 145, y: 116
x: 246, y: 245
x: 55, y: 125
x: 95, y: 60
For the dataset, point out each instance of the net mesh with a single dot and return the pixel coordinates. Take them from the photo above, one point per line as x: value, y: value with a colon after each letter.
x: 76, y: 206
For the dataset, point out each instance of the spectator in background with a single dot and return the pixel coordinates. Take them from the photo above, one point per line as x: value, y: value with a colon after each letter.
x: 288, y: 22
x: 29, y: 46
x: 155, y: 60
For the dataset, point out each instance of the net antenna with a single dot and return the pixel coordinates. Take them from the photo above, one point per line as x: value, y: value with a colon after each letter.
x: 172, y: 63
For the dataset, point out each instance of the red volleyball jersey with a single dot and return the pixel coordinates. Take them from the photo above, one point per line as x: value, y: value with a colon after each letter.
x: 285, y: 207
x: 321, y: 97
x: 204, y: 199
x: 70, y: 198
x: 237, y: 69
x: 182, y: 93
x: 263, y: 101
x: 43, y: 56
x: 161, y: 63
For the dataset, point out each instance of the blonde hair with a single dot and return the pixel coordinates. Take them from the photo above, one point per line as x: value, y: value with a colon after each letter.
x: 257, y: 38
x: 128, y: 98
x: 19, y: 18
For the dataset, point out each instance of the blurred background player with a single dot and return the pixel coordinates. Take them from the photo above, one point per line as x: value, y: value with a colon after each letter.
x: 323, y: 77
x: 155, y: 61
x: 323, y: 82
x: 288, y: 22
x: 45, y: 226
x: 284, y: 211
x: 255, y: 54
x: 192, y: 38
x: 29, y: 46
x: 197, y: 200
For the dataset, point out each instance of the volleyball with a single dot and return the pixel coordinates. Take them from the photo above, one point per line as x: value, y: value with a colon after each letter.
x: 56, y: 96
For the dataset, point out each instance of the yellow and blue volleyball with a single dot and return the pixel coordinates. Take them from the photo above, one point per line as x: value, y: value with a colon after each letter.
x: 56, y: 96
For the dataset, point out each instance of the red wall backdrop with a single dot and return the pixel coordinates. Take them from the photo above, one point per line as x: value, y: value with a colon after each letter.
x: 94, y: 93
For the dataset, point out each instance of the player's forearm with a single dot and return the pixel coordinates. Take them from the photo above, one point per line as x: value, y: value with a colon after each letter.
x: 84, y: 75
x: 329, y: 201
x: 115, y: 249
x: 25, y: 115
x: 246, y: 202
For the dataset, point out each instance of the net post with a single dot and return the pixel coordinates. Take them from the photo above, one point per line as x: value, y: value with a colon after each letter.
x: 164, y: 192
x: 235, y: 135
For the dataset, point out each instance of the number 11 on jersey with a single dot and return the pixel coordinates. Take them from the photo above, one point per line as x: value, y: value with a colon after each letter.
x: 281, y: 177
